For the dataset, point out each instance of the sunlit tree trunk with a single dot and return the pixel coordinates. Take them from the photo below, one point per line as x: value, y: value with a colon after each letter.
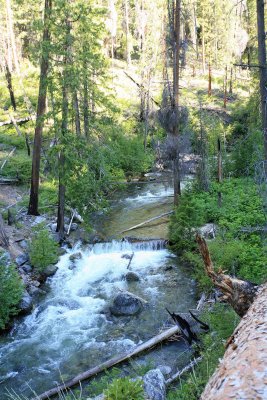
x: 41, y: 107
x: 262, y: 68
x: 175, y: 105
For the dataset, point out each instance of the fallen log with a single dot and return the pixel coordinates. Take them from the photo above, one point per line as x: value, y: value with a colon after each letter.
x: 19, y: 121
x: 146, y: 222
x: 8, y: 181
x: 4, y: 241
x: 242, y: 373
x: 109, y: 363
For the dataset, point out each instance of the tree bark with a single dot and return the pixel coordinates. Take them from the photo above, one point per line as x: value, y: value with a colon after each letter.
x: 41, y: 107
x: 175, y: 105
x: 4, y: 242
x: 263, y: 70
x: 242, y: 373
x: 9, y: 86
x: 77, y: 113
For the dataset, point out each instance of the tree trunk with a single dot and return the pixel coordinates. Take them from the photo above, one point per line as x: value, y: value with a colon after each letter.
x: 77, y: 113
x: 41, y: 106
x: 10, y: 87
x: 128, y: 47
x: 85, y: 103
x: 175, y: 105
x: 64, y: 130
x: 263, y: 71
x: 203, y: 51
x: 209, y: 87
x: 242, y: 372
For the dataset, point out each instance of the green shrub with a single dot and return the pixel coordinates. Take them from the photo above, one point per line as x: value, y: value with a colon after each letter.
x: 11, y: 289
x: 43, y: 249
x: 124, y: 388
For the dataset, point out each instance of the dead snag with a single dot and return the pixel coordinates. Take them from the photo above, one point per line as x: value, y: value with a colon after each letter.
x: 237, y: 292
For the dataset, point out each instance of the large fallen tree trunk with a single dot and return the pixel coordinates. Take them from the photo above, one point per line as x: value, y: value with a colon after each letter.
x: 242, y: 374
x: 19, y: 121
x: 147, y: 222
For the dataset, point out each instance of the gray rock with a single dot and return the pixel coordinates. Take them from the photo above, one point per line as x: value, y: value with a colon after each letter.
x: 132, y: 277
x: 33, y: 290
x: 208, y: 231
x: 75, y: 256
x: 53, y: 227
x: 22, y: 259
x: 50, y: 271
x: 38, y: 220
x: 74, y: 227
x: 165, y: 369
x: 126, y: 304
x: 24, y: 244
x: 62, y: 251
x: 154, y: 385
x: 27, y: 268
x: 26, y: 303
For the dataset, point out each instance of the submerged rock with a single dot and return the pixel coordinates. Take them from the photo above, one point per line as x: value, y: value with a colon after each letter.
x: 154, y: 385
x: 126, y: 304
x: 75, y: 256
x: 132, y: 277
x: 26, y: 303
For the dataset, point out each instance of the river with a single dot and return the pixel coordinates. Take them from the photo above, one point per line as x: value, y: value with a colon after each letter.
x: 72, y: 329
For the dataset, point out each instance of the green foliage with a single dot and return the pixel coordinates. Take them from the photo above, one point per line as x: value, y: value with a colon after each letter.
x: 43, y: 249
x: 240, y: 253
x: 222, y: 321
x: 124, y: 388
x: 11, y: 289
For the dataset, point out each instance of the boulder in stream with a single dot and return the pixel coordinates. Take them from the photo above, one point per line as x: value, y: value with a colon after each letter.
x: 132, y: 277
x: 26, y: 303
x: 75, y: 256
x: 126, y: 304
x: 154, y: 385
x: 49, y: 271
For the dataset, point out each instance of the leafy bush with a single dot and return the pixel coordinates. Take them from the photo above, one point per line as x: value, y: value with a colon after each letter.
x: 43, y: 249
x: 124, y: 388
x: 240, y: 253
x: 11, y: 289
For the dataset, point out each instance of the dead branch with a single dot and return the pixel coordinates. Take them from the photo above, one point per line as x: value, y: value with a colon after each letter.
x: 237, y: 292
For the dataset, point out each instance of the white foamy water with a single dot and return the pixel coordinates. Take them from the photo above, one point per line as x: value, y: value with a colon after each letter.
x: 73, y: 316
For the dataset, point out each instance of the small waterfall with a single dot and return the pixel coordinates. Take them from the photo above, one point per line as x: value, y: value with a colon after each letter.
x: 131, y: 245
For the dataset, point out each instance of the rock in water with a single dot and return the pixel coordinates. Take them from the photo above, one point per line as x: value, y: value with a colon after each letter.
x: 49, y: 271
x: 75, y: 256
x: 132, y: 277
x: 26, y: 303
x: 154, y: 385
x: 126, y: 304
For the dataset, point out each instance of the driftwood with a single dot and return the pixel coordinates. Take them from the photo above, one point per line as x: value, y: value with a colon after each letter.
x: 19, y: 121
x: 147, y: 222
x: 242, y: 373
x: 110, y: 363
x: 237, y: 292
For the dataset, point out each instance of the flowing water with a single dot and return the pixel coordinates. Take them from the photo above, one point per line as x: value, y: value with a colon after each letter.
x: 72, y: 329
